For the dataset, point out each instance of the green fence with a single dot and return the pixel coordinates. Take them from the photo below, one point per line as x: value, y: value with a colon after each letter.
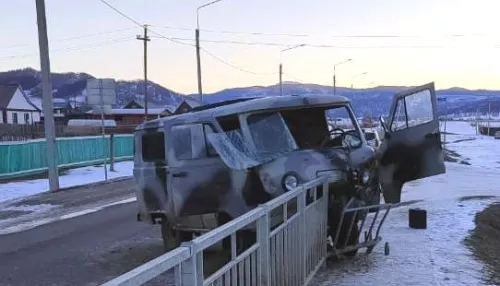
x: 26, y: 158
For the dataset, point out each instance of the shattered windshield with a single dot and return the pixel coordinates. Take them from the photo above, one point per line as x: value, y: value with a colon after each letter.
x: 270, y: 139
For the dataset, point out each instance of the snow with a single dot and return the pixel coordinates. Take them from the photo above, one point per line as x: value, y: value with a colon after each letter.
x: 74, y: 177
x: 437, y: 255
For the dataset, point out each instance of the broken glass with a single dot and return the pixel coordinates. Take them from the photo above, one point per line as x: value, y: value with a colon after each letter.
x: 270, y: 139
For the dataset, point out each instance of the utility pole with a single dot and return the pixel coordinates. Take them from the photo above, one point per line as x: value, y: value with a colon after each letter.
x: 281, y: 64
x: 198, y: 63
x: 50, y: 138
x: 103, y: 130
x: 197, y: 36
x: 145, y: 40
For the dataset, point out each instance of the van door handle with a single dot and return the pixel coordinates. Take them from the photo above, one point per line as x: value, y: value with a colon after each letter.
x: 179, y: 174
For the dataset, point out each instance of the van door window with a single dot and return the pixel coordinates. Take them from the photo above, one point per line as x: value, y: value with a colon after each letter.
x: 181, y: 142
x: 188, y: 141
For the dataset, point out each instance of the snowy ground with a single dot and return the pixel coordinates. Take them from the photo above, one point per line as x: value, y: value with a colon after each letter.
x: 437, y: 255
x: 74, y: 177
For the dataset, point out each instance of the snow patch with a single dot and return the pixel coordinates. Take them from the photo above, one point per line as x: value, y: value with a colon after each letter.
x: 74, y: 177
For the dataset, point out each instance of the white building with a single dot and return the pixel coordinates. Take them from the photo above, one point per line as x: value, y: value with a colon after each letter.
x: 15, y: 107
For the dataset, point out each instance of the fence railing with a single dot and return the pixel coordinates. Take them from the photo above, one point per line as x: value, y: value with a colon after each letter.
x: 25, y: 132
x: 288, y: 248
x: 19, y: 159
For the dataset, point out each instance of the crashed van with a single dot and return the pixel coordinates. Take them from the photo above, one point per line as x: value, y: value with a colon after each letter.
x: 198, y: 170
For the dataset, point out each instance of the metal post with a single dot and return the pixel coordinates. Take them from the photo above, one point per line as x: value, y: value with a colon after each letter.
x: 489, y: 117
x: 112, y: 152
x: 264, y: 250
x: 445, y: 116
x: 281, y: 79
x: 103, y: 131
x: 198, y: 64
x: 50, y: 140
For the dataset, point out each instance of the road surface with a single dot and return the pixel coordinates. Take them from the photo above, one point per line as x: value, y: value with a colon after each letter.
x: 81, y: 236
x: 85, y: 250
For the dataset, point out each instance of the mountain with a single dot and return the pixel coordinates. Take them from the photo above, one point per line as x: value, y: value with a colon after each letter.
x: 374, y: 101
x: 71, y: 87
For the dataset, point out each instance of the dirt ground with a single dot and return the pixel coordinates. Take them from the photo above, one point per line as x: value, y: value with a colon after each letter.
x: 484, y: 241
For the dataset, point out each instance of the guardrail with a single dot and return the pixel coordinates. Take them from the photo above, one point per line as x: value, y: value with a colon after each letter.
x: 287, y: 249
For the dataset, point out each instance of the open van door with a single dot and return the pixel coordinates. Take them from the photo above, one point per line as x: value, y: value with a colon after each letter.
x: 412, y: 146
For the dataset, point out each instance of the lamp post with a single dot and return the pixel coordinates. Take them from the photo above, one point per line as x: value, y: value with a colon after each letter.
x: 334, y: 76
x: 197, y: 35
x: 281, y: 64
x: 354, y: 77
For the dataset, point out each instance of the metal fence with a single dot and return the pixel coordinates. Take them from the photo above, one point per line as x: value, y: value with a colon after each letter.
x: 25, y: 132
x: 289, y: 246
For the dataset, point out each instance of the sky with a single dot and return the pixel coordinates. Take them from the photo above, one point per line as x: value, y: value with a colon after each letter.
x: 88, y: 36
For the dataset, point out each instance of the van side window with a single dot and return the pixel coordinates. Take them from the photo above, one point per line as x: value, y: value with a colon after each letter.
x: 153, y: 146
x: 182, y: 142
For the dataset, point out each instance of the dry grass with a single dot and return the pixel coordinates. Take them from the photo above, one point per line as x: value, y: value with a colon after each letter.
x: 484, y: 241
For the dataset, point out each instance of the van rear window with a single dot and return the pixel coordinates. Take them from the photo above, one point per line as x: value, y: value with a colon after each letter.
x: 153, y: 146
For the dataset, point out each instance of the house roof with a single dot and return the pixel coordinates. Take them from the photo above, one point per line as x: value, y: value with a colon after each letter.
x: 141, y: 103
x: 134, y: 111
x: 59, y: 104
x: 7, y: 91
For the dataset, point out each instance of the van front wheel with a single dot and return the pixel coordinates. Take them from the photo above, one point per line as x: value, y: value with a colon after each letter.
x: 171, y: 237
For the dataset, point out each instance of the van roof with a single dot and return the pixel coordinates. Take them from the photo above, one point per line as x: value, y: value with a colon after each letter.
x: 208, y: 112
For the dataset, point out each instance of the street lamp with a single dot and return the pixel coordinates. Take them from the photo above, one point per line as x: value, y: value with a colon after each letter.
x: 354, y: 77
x: 334, y: 78
x: 197, y: 34
x: 281, y: 64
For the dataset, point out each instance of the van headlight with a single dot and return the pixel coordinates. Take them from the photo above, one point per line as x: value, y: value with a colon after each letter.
x: 290, y: 182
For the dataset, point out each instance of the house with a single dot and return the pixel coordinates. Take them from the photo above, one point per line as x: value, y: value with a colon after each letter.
x: 61, y: 108
x: 186, y: 105
x: 15, y: 107
x: 130, y: 116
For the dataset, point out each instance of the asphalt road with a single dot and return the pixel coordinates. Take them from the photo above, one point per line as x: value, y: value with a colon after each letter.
x: 85, y: 250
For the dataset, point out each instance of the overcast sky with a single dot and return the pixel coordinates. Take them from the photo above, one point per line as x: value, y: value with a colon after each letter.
x: 471, y: 60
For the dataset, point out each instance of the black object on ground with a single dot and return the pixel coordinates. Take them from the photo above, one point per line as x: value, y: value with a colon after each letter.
x: 417, y: 218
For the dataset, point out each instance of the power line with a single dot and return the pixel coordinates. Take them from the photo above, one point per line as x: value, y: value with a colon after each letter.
x: 141, y: 25
x: 75, y: 48
x: 277, y: 44
x: 121, y: 13
x: 176, y: 41
x: 71, y: 38
x: 232, y: 65
x: 332, y: 36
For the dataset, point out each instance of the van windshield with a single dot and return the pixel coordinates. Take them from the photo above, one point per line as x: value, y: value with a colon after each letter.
x: 273, y: 134
x: 270, y: 139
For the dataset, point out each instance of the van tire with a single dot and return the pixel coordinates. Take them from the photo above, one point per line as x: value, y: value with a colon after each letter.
x: 172, y: 238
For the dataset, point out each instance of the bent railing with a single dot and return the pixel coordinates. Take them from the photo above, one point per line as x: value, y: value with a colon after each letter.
x: 288, y: 248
